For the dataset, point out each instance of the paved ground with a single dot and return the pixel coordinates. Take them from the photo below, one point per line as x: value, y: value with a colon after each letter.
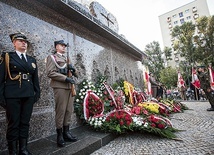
x: 197, y: 137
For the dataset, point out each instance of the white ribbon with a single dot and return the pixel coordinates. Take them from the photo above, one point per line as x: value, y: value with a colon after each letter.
x: 57, y: 63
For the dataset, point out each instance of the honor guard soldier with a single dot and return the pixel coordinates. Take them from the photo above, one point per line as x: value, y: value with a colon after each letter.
x: 19, y: 90
x: 59, y: 70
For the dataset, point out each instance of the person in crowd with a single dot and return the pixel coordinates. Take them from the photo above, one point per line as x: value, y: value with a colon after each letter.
x: 182, y: 90
x: 58, y: 67
x: 204, y: 78
x: 154, y: 85
x: 194, y: 89
x: 19, y: 90
x: 160, y: 92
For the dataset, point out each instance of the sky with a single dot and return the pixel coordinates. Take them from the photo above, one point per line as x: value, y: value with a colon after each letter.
x: 138, y: 19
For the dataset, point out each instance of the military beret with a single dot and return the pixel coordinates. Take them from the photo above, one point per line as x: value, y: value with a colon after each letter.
x: 19, y: 36
x: 61, y: 42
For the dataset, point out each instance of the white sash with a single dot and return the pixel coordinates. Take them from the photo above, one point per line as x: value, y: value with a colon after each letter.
x: 57, y: 63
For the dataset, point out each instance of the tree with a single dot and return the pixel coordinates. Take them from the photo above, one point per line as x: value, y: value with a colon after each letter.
x: 204, y: 41
x: 183, y: 43
x: 154, y: 61
x: 167, y: 53
x: 169, y: 77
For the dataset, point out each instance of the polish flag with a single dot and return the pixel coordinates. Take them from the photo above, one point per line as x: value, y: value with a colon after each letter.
x: 148, y: 84
x: 181, y: 82
x: 211, y: 72
x: 195, y: 80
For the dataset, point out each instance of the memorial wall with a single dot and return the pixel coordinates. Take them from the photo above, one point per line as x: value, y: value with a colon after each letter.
x: 95, y: 48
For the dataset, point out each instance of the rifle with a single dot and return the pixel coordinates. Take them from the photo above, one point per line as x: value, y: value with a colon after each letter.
x: 73, y: 90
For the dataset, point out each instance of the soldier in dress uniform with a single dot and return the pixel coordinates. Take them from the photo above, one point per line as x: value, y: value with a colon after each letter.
x: 19, y: 90
x: 154, y: 85
x: 58, y: 67
x: 203, y: 75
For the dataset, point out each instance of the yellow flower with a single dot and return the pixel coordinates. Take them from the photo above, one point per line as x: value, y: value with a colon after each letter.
x: 152, y: 107
x: 128, y: 89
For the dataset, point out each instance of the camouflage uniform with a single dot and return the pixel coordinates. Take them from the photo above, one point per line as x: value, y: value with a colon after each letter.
x: 205, y: 85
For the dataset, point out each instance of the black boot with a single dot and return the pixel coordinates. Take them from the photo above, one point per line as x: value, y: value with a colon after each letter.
x: 60, y: 140
x: 23, y: 147
x: 211, y: 109
x: 67, y: 135
x: 12, y: 148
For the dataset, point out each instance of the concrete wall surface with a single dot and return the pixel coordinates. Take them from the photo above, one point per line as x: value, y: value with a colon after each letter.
x: 91, y: 53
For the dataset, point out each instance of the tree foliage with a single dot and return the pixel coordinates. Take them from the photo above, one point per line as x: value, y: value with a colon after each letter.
x: 167, y: 53
x: 154, y: 61
x: 204, y: 40
x: 169, y: 77
x: 183, y: 43
x: 194, y: 42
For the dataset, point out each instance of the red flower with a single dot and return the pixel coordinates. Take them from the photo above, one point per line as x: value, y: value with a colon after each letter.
x: 128, y: 122
x: 161, y: 126
x: 153, y: 125
x: 121, y: 123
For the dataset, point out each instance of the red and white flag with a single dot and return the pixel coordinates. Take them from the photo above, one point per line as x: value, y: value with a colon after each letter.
x: 181, y: 82
x: 148, y: 84
x: 211, y: 71
x: 195, y: 80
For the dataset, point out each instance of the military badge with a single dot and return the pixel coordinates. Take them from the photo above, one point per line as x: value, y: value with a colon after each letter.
x: 33, y: 65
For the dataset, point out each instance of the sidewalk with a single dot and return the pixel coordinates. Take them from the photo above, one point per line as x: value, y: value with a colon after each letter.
x: 197, y: 137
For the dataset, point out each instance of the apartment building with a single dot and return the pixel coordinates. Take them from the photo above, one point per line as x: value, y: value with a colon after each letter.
x: 185, y: 13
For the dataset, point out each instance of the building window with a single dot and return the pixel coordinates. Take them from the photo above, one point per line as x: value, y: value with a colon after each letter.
x: 182, y: 20
x: 169, y: 19
x: 188, y: 17
x: 175, y: 22
x: 187, y: 11
x: 181, y: 14
x: 194, y: 9
x: 196, y: 16
x: 174, y: 16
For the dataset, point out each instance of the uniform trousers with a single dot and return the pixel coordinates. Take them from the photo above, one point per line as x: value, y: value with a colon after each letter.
x: 18, y: 113
x: 154, y: 91
x: 63, y: 107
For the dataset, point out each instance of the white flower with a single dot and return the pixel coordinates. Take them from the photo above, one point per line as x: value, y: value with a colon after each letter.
x: 139, y: 123
x: 85, y: 87
x: 99, y: 123
x: 83, y: 83
x: 145, y: 124
x: 80, y: 94
x: 95, y: 123
x: 77, y: 100
x: 81, y: 97
x: 92, y: 119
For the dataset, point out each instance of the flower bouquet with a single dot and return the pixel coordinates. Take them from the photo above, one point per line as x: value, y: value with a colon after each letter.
x: 123, y: 109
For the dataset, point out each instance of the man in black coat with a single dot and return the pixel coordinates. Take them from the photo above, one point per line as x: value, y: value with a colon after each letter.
x: 19, y: 90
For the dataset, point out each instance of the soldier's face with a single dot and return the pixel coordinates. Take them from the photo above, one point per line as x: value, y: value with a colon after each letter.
x: 60, y: 48
x: 20, y: 45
